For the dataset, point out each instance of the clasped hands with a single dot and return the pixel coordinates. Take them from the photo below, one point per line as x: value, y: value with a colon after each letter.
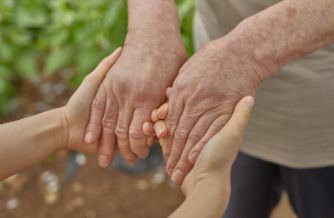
x: 205, y: 90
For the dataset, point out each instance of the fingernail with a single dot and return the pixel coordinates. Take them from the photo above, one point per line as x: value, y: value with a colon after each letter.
x: 193, y: 157
x: 161, y: 142
x: 250, y: 101
x: 89, y: 137
x: 158, y: 129
x: 178, y: 177
x: 170, y: 171
x: 103, y: 161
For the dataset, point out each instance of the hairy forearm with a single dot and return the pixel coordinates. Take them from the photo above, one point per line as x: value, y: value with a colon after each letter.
x: 154, y: 24
x: 26, y: 142
x: 284, y: 32
x: 208, y: 199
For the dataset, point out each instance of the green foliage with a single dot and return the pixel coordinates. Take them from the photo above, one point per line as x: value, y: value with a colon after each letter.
x: 47, y: 36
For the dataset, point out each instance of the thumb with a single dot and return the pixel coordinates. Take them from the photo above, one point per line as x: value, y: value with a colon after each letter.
x: 240, y: 117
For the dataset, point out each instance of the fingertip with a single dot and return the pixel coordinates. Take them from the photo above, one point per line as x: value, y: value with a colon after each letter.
x: 160, y: 129
x: 103, y: 161
x: 249, y: 101
x: 148, y: 129
x: 89, y: 138
x: 154, y: 116
x: 193, y: 157
x: 168, y: 92
x: 163, y: 111
x: 150, y: 141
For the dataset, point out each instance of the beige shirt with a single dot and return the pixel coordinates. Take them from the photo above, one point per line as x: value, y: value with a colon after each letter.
x: 292, y: 122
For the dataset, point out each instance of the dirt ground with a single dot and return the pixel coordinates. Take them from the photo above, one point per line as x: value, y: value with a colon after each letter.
x: 42, y: 191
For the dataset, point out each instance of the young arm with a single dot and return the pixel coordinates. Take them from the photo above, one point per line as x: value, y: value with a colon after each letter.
x: 26, y: 142
x: 207, y: 186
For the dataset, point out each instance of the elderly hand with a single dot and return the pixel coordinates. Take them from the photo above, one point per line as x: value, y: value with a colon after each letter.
x: 131, y: 90
x: 202, y: 100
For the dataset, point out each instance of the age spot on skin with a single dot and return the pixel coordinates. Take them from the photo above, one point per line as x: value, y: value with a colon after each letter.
x: 291, y: 12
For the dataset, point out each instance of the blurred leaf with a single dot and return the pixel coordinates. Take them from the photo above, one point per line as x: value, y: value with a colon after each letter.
x: 56, y: 60
x: 27, y: 65
x: 32, y: 17
x: 112, y: 13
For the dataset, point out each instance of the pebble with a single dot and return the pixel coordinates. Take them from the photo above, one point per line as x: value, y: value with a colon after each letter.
x: 77, y: 187
x: 12, y: 204
x: 45, y: 87
x: 67, y: 73
x: 90, y: 214
x: 78, y: 202
x: 59, y: 88
x: 52, y: 186
x: 51, y: 198
x: 80, y: 159
x: 50, y: 98
x: 158, y: 178
x: 42, y: 106
x: 142, y: 185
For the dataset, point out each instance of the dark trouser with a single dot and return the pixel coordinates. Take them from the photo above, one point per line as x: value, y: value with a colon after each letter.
x: 257, y: 186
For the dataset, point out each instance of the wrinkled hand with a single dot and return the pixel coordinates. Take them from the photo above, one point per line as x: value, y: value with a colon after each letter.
x: 216, y: 158
x: 202, y: 101
x: 133, y: 87
x: 77, y: 110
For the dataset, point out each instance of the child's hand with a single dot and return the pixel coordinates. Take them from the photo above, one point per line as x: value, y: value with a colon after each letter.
x: 158, y: 128
x: 215, y: 160
x: 77, y: 111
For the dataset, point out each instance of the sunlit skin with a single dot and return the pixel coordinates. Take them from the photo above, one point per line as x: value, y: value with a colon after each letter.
x: 64, y: 128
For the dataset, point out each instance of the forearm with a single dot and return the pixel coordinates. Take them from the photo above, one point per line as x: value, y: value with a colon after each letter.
x: 155, y: 25
x: 284, y: 32
x: 26, y: 142
x: 208, y: 199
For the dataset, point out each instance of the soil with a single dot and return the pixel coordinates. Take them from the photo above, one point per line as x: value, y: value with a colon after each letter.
x: 92, y: 192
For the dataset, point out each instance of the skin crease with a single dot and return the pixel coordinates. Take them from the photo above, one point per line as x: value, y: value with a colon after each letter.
x: 63, y: 128
x: 54, y: 130
x: 137, y: 83
x: 226, y: 69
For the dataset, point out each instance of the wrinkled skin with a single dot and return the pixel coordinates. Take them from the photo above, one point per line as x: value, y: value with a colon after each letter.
x: 134, y: 86
x: 204, y: 95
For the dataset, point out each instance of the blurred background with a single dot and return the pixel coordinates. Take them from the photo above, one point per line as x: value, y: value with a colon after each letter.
x: 46, y: 49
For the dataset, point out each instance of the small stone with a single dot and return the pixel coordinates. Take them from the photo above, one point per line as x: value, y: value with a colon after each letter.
x: 142, y: 185
x: 78, y: 202
x: 67, y: 73
x: 35, y: 81
x: 12, y: 204
x: 52, y: 186
x: 48, y: 176
x: 45, y: 88
x: 59, y: 88
x: 80, y: 159
x: 77, y: 187
x: 51, y: 198
x: 50, y: 98
x: 14, y: 104
x: 91, y: 214
x: 158, y: 178
x: 42, y: 106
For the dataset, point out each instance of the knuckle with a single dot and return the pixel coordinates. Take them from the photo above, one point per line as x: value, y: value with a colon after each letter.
x: 181, y: 135
x: 195, y: 135
x: 136, y: 134
x: 96, y: 104
x: 109, y: 122
x: 122, y: 133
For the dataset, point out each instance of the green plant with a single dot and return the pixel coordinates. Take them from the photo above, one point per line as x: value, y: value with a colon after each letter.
x: 39, y: 36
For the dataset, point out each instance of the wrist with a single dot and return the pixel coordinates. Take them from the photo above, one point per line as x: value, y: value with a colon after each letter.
x: 65, y: 128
